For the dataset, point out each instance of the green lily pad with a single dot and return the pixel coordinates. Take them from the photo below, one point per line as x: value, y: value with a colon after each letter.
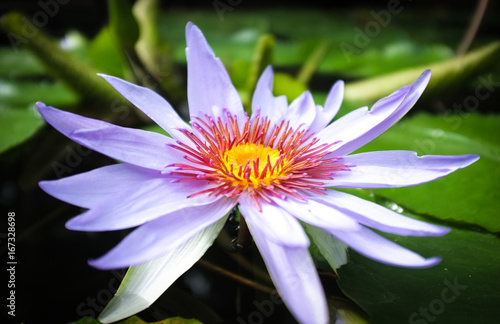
x: 233, y: 34
x: 23, y: 94
x: 285, y: 84
x: 106, y: 56
x: 16, y: 126
x: 463, y: 288
x: 17, y: 63
x: 469, y: 196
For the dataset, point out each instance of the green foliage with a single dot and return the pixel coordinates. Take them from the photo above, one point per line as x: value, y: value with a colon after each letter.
x: 123, y: 24
x: 18, y: 63
x: 285, y: 84
x: 262, y: 58
x: 60, y: 64
x: 16, y: 126
x: 445, y: 75
x: 106, y: 56
x: 463, y: 288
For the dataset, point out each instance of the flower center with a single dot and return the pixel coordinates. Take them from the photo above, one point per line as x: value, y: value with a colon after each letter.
x: 252, y: 164
x: 254, y: 157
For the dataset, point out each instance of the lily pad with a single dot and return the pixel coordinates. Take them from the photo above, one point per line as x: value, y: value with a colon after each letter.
x: 463, y: 288
x: 17, y: 63
x: 25, y: 93
x: 233, y: 35
x: 106, y: 56
x: 16, y: 126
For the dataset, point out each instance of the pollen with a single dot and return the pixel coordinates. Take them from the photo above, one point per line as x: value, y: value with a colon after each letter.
x: 253, y: 165
x: 256, y: 157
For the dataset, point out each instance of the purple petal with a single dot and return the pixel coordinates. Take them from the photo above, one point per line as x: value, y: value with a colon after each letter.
x: 138, y: 204
x: 361, y: 126
x: 415, y: 91
x: 264, y: 101
x: 135, y: 146
x: 152, y: 104
x: 332, y: 106
x: 209, y: 84
x: 302, y: 111
x: 381, y: 249
x: 294, y: 275
x: 66, y: 122
x: 385, y: 169
x: 358, y: 122
x: 162, y: 235
x: 274, y: 222
x: 378, y: 217
x: 91, y: 188
x: 318, y: 214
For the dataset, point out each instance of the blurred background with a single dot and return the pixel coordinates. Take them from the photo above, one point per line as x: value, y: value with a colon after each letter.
x: 50, y: 51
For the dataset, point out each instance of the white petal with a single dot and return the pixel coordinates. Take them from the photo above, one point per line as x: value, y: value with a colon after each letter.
x: 333, y: 250
x: 143, y: 284
x: 164, y: 234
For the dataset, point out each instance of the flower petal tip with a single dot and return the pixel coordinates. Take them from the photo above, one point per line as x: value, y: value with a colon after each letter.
x: 40, y: 105
x: 425, y: 263
x: 72, y: 224
x: 76, y: 224
x: 94, y: 263
x: 43, y: 109
x: 469, y: 159
x: 426, y: 75
x: 43, y: 185
x: 428, y: 263
x: 101, y: 265
x: 421, y: 264
x: 440, y: 231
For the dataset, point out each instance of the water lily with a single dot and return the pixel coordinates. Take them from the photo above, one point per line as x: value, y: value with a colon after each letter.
x: 276, y: 166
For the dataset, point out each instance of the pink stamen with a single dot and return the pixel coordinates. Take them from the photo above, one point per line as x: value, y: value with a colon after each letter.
x: 301, y: 167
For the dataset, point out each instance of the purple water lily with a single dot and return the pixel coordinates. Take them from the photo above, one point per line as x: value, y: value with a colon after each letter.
x: 277, y: 166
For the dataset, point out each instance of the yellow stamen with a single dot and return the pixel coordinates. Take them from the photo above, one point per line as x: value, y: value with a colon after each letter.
x: 252, y: 164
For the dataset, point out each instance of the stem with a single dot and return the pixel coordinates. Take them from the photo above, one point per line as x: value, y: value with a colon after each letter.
x: 78, y: 75
x: 473, y: 27
x: 313, y: 62
x: 236, y: 277
x: 262, y: 58
x: 244, y: 236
